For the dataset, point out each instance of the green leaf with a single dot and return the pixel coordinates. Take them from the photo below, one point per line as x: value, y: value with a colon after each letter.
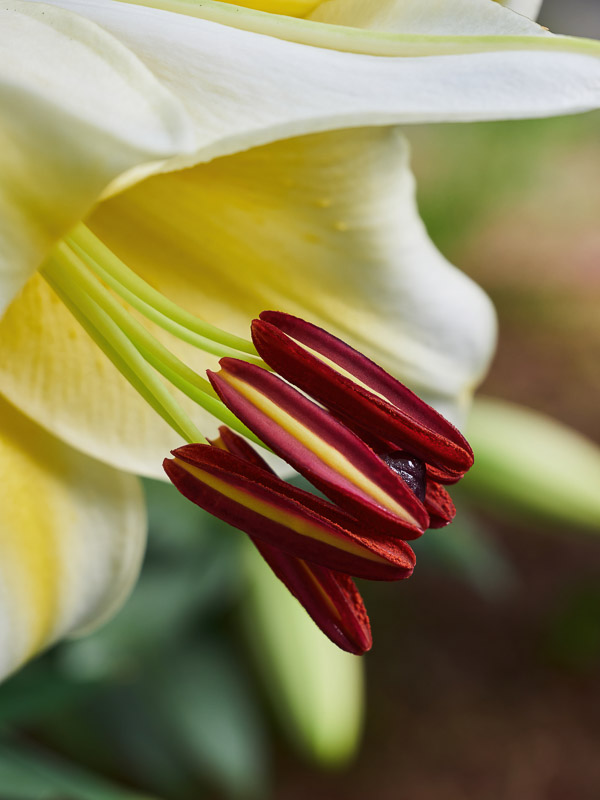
x: 163, y: 604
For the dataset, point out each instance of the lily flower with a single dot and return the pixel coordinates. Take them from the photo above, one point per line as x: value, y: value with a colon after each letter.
x: 224, y: 160
x: 216, y: 187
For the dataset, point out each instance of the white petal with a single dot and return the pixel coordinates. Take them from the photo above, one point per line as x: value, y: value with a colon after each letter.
x: 529, y: 8
x: 72, y: 534
x: 76, y: 111
x: 245, y: 89
x: 457, y: 26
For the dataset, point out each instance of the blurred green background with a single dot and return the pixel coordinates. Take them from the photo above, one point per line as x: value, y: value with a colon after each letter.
x: 484, y: 682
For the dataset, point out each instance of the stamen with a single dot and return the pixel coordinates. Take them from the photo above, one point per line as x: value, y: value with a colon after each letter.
x: 154, y: 305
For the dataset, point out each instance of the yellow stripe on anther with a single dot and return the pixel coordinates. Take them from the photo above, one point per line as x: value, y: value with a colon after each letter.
x: 319, y: 588
x: 338, y: 368
x: 295, y: 523
x: 325, y: 452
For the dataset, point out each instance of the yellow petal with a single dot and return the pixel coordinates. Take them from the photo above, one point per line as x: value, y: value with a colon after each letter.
x: 77, y: 110
x: 72, y: 534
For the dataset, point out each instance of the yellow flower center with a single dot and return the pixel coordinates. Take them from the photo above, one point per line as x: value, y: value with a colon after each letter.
x: 291, y: 8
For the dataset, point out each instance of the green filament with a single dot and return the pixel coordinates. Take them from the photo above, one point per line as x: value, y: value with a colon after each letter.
x: 154, y: 352
x: 119, y: 349
x: 152, y: 303
x: 133, y: 350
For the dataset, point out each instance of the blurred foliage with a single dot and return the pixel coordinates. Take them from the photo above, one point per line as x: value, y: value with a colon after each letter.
x: 27, y: 773
x: 469, y: 174
x: 572, y: 638
x: 467, y: 550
